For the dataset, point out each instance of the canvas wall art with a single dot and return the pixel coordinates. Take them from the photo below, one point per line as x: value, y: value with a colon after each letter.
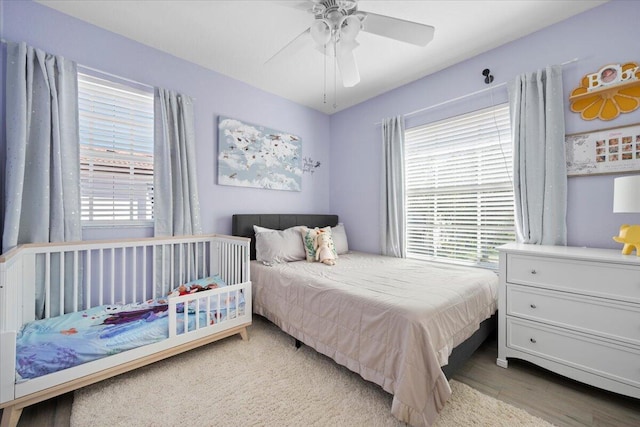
x: 250, y: 155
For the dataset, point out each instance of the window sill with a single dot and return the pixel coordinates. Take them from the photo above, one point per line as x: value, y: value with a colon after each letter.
x: 111, y: 225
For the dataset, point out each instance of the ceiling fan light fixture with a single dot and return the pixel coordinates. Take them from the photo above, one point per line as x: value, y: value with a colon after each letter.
x: 350, y: 27
x: 320, y: 32
x: 337, y: 24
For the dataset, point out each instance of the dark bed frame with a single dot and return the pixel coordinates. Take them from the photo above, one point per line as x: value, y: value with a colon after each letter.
x: 242, y: 225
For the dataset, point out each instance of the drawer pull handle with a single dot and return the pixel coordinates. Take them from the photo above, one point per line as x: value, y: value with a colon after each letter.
x: 533, y: 340
x: 534, y: 272
x: 533, y: 306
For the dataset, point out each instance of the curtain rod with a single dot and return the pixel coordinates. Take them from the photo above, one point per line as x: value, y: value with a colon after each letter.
x: 3, y: 40
x: 105, y: 73
x: 115, y: 76
x: 440, y: 104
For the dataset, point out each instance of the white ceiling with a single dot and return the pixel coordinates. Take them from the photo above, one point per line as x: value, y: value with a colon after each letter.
x: 235, y: 38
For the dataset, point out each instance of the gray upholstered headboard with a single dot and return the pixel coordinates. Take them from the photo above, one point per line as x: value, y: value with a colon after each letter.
x: 242, y: 225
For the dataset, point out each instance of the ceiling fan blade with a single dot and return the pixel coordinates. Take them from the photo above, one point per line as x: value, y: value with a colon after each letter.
x: 302, y: 41
x: 348, y: 67
x: 300, y: 5
x: 398, y: 29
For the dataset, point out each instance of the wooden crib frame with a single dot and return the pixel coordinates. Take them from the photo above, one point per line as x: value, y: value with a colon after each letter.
x: 110, y: 272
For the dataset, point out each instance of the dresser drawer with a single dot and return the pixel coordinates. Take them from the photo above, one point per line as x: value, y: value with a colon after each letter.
x: 608, y: 360
x: 607, y: 280
x: 607, y: 318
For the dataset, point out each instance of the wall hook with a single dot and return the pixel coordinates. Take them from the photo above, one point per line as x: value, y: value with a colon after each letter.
x: 488, y: 78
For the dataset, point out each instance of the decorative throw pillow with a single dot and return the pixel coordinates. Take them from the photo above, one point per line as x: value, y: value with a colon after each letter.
x: 309, y: 237
x: 339, y: 236
x: 275, y: 246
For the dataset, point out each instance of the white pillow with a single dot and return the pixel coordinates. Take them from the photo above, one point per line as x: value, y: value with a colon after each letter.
x: 339, y: 235
x: 274, y: 246
x: 257, y: 229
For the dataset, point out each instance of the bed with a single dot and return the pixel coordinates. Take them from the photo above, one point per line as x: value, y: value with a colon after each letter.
x: 107, y: 307
x: 399, y: 323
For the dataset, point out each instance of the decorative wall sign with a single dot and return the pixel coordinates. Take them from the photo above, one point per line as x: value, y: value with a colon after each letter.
x: 255, y: 156
x: 309, y: 165
x: 604, y: 151
x: 614, y: 89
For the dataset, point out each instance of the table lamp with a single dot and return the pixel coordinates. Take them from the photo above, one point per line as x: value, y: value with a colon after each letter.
x: 626, y: 199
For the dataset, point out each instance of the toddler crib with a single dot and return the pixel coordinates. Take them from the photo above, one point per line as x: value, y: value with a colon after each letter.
x: 95, y: 279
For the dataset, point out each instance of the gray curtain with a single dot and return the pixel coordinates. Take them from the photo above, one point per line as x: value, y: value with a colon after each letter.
x: 539, y: 168
x: 42, y: 185
x: 393, y: 200
x: 176, y: 203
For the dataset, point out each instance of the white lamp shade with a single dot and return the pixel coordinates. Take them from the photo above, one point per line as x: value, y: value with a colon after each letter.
x: 626, y: 194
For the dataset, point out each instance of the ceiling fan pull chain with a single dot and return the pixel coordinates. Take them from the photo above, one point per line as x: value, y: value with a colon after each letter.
x: 324, y: 72
x: 335, y: 74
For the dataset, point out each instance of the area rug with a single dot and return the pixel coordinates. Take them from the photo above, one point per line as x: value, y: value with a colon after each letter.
x: 264, y: 382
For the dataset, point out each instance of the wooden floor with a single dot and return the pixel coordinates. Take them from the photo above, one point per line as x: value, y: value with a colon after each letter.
x: 558, y: 400
x: 554, y: 398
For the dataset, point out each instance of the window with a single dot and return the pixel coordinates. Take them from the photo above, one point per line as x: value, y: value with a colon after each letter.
x: 459, y: 188
x: 116, y: 153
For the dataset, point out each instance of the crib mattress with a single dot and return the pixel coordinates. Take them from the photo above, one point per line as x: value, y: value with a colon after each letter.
x: 50, y: 345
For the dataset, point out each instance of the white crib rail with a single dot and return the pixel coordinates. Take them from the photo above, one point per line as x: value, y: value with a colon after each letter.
x: 88, y: 274
x: 217, y: 306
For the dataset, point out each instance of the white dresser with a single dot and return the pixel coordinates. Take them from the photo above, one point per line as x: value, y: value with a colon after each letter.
x: 574, y: 311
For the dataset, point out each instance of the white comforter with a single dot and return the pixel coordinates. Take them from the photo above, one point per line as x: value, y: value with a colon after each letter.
x: 393, y: 321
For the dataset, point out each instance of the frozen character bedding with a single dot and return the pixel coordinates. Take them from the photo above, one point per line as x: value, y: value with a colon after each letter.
x: 50, y: 345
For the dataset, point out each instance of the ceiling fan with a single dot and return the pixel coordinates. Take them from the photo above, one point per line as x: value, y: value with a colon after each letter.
x: 336, y: 25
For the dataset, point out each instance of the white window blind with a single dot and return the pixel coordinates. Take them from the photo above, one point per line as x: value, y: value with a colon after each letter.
x: 116, y: 153
x: 459, y: 188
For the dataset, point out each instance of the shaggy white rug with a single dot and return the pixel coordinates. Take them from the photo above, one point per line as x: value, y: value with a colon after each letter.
x: 264, y: 382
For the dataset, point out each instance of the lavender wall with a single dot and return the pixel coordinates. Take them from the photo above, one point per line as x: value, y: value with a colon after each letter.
x: 603, y: 35
x: 215, y: 95
x: 348, y: 182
